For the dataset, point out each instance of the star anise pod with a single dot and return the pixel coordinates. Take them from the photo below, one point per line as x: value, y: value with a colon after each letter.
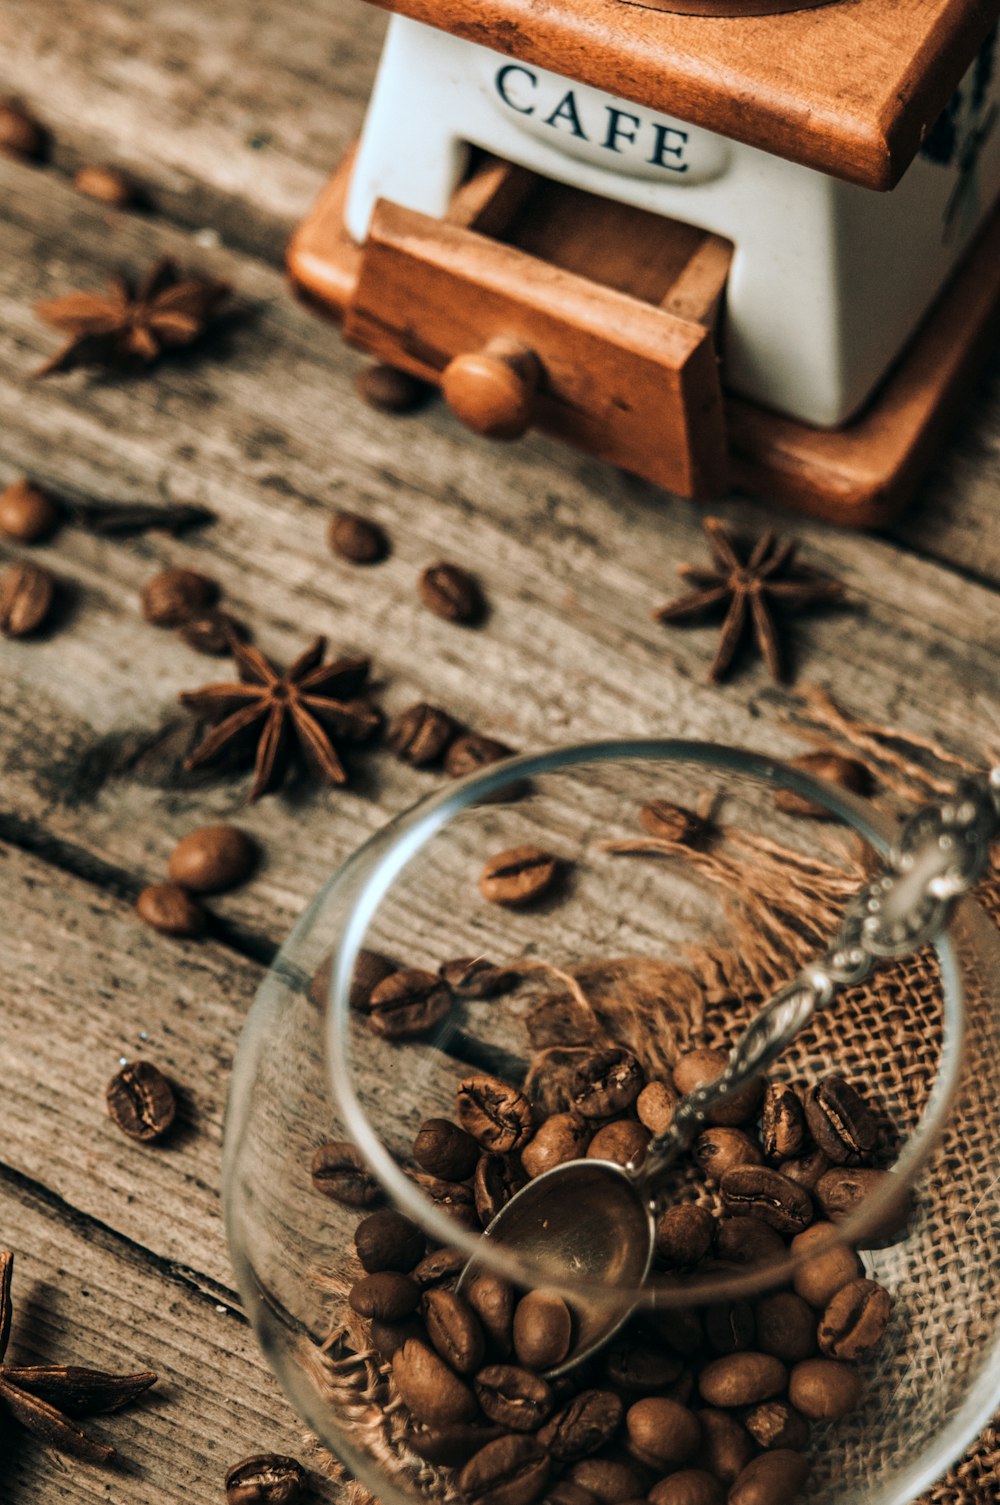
x: 122, y: 327
x: 43, y: 1397
x: 310, y: 705
x: 752, y: 592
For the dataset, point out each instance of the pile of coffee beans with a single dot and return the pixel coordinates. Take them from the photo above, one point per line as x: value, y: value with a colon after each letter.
x: 688, y: 1405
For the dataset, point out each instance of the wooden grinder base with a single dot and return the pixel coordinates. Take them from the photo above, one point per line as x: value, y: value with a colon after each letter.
x: 861, y: 475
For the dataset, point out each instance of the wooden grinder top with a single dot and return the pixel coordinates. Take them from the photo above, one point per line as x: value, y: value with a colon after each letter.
x: 849, y: 88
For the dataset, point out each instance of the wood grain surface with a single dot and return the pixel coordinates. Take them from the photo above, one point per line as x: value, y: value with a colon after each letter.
x: 231, y: 118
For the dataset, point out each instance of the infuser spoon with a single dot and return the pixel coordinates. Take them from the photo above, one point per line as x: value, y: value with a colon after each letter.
x: 593, y: 1221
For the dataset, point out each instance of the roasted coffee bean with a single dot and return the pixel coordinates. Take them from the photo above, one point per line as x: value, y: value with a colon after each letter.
x: 369, y: 970
x: 679, y: 1327
x: 27, y: 513
x: 21, y: 136
x: 451, y: 593
x: 775, y: 1478
x: 492, y: 1300
x: 806, y: 1169
x: 625, y: 1142
x: 776, y: 1424
x: 510, y: 1471
x: 818, y: 1279
x: 543, y: 1329
x: 519, y: 875
x: 497, y: 1116
x: 729, y: 1326
x: 840, y: 1120
x: 454, y: 1329
x: 565, y: 1492
x: 431, y: 1391
x: 742, y: 1379
x: 824, y: 1390
x: 174, y: 595
x: 768, y: 1195
x: 475, y: 977
x: 662, y: 1433
x: 669, y: 822
x: 498, y: 1178
x: 700, y: 1066
x: 26, y: 595
x: 831, y: 767
x: 266, y: 1479
x: 389, y: 390
x: 583, y: 1425
x: 719, y: 1150
x: 387, y: 1338
x: 607, y: 1082
x: 441, y: 1268
x: 689, y: 1486
x: 855, y: 1321
x: 655, y: 1106
x: 726, y: 1446
x: 442, y: 1149
x: 407, y: 1004
x: 782, y: 1122
x: 105, y: 184
x: 684, y: 1234
x: 613, y: 1483
x: 842, y: 1192
x: 212, y: 632
x: 386, y: 1240
x: 638, y: 1368
x: 340, y: 1171
x: 450, y: 1447
x: 141, y: 1101
x: 562, y: 1137
x: 472, y: 752
x: 421, y: 734
x: 388, y: 1296
x: 786, y: 1326
x: 451, y: 1197
x: 512, y: 1397
x: 357, y: 539
x: 170, y: 909
x: 212, y: 859
x: 747, y: 1241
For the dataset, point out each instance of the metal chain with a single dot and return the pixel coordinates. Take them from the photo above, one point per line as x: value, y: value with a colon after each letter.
x: 940, y: 854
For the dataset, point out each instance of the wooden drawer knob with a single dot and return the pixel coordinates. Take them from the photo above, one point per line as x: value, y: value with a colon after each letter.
x: 492, y: 390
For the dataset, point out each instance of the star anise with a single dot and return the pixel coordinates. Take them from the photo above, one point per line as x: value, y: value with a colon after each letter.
x: 752, y: 592
x: 311, y: 704
x: 42, y: 1397
x: 123, y: 328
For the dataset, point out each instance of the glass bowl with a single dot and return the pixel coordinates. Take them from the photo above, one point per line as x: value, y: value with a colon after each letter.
x: 659, y: 935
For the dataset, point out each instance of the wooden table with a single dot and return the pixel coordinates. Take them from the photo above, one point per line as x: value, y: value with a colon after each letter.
x: 232, y: 116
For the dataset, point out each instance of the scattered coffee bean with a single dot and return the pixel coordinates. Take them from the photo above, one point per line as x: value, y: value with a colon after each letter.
x: 340, y: 1172
x: 565, y: 1492
x: 562, y: 1137
x: 638, y: 1368
x: 442, y: 1149
x: 655, y: 1106
x: 498, y: 1178
x: 767, y: 1194
x: 625, y: 1142
x: 387, y: 1296
x: 782, y: 1122
x: 729, y: 1326
x: 452, y: 1446
x: 824, y: 1390
x: 386, y: 1240
x: 583, y: 1425
x: 820, y: 1277
x: 726, y: 1446
x: 514, y: 1398
x: 27, y: 592
x: 684, y: 1234
x: 543, y: 1330
x: 497, y: 1116
x: 841, y: 1193
x: 833, y: 768
x: 661, y: 1433
x: 454, y: 1330
x: 518, y: 876
x: 106, y: 184
x: 742, y: 1379
x: 472, y: 752
x: 387, y: 1338
x: 747, y: 1241
x: 776, y: 1424
x: 370, y: 968
x: 607, y: 1082
x: 431, y: 1391
x: 679, y: 1327
x: 170, y: 909
x: 775, y: 1478
x: 421, y: 734
x: 407, y: 1004
x: 841, y: 1122
x: 475, y: 977
x: 212, y: 632
x: 174, y: 595
x: 806, y: 1169
x: 21, y: 135
x: 141, y: 1101
x: 212, y: 859
x: 440, y: 1268
x: 698, y: 1067
x: 720, y: 1150
x: 689, y: 1486
x: 669, y: 822
x: 357, y: 538
x: 612, y: 1482
x: 266, y: 1479
x: 786, y: 1327
x: 451, y: 593
x: 390, y: 390
x: 855, y: 1321
x: 492, y: 1300
x: 510, y: 1471
x: 452, y: 1197
x: 27, y: 513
